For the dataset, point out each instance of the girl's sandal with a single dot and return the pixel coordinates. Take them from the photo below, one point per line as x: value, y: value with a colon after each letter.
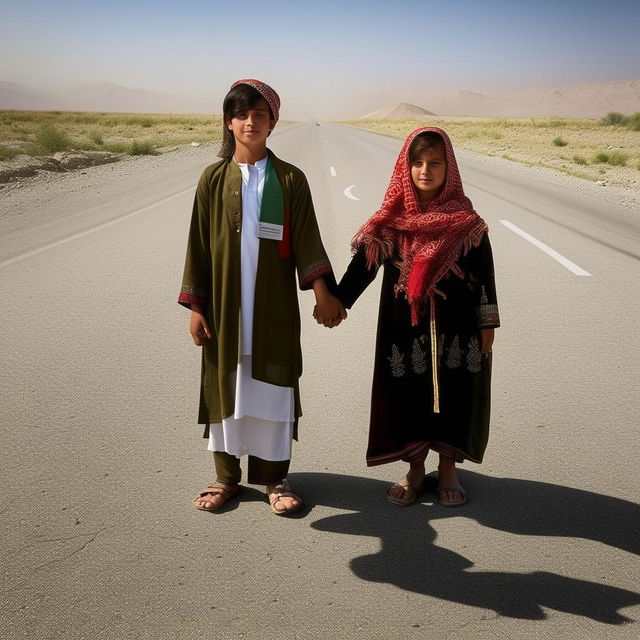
x: 279, y: 491
x: 226, y: 491
x: 451, y: 503
x: 410, y: 492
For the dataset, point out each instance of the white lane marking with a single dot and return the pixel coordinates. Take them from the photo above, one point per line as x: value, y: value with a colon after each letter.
x: 28, y: 254
x: 548, y: 250
x: 347, y: 192
x: 333, y: 171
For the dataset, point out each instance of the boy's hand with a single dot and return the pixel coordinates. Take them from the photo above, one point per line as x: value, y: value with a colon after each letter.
x: 486, y: 339
x: 199, y: 328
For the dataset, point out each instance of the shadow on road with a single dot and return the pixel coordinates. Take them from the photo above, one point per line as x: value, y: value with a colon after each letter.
x: 409, y: 559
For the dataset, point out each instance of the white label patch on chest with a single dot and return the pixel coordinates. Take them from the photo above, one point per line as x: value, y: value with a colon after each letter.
x: 269, y: 231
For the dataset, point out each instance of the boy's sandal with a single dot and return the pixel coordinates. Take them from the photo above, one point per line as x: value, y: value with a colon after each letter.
x: 226, y: 491
x: 279, y: 491
x: 410, y: 492
x: 451, y: 503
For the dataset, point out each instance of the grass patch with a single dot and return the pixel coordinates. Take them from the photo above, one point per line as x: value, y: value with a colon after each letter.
x: 45, y: 132
x: 580, y: 160
x: 7, y: 153
x: 634, y: 121
x: 618, y: 159
x: 50, y: 139
x: 96, y: 137
x: 559, y: 142
x: 614, y: 158
x: 138, y: 148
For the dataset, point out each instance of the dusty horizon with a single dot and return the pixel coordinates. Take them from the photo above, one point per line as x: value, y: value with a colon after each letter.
x: 589, y: 100
x: 328, y: 60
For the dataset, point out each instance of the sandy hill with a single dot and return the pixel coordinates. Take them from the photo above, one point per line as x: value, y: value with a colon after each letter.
x: 400, y: 111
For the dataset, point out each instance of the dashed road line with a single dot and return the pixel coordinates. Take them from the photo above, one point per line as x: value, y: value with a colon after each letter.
x: 565, y: 262
x: 332, y: 170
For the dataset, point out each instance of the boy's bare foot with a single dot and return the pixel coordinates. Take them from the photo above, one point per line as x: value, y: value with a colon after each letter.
x: 282, y: 500
x: 214, y: 496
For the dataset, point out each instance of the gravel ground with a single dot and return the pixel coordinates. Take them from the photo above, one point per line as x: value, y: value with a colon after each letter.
x: 23, y: 202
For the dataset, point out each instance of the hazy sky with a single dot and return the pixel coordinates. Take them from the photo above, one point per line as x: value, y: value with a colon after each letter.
x: 315, y: 54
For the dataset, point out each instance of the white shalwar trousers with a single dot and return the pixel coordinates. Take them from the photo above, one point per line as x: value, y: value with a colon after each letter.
x: 268, y: 436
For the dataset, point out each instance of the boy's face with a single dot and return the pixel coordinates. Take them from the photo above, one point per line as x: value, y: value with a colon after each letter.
x: 251, y: 127
x: 429, y: 172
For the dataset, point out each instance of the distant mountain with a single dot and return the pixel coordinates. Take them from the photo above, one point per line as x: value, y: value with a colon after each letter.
x: 15, y: 96
x: 586, y: 100
x: 98, y: 96
x: 399, y: 111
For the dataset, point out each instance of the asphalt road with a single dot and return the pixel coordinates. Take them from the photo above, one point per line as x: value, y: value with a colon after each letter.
x: 101, y: 456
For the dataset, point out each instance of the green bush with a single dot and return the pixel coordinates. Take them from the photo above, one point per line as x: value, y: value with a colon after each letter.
x: 142, y: 149
x: 613, y: 118
x: 618, y: 159
x: 615, y: 158
x: 579, y: 160
x: 559, y: 142
x: 50, y: 140
x: 96, y: 137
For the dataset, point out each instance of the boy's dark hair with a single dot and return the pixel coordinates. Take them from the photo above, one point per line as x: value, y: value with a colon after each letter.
x: 239, y: 99
x: 424, y: 141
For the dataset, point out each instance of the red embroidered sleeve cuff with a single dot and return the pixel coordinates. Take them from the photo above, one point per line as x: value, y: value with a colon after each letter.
x: 313, y: 273
x: 186, y: 299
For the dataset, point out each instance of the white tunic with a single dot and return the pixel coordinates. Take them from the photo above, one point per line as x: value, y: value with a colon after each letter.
x: 262, y: 424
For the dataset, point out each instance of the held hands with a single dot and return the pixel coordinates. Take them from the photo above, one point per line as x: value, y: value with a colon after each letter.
x: 199, y: 327
x: 328, y: 311
x: 330, y: 315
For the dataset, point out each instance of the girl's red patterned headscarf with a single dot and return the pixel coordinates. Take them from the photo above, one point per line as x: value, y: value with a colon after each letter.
x: 424, y: 244
x: 272, y: 98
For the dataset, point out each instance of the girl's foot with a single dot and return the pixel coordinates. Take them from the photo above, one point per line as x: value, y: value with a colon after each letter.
x: 282, y: 500
x: 449, y: 492
x: 214, y: 496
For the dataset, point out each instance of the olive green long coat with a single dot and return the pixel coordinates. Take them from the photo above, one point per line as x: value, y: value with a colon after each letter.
x: 212, y: 278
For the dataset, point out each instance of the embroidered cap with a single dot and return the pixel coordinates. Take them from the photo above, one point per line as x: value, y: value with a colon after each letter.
x: 272, y: 98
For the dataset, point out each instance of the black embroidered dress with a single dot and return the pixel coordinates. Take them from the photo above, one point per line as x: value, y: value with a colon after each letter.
x: 403, y: 424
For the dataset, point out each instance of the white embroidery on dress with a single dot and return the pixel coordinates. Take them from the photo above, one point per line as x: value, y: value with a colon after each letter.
x: 396, y: 360
x: 418, y: 358
x: 455, y: 354
x: 474, y: 357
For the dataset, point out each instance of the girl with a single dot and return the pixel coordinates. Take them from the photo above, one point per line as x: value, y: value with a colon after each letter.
x: 438, y: 311
x: 253, y: 225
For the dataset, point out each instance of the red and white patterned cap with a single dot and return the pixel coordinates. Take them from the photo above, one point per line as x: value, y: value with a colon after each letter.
x: 272, y: 98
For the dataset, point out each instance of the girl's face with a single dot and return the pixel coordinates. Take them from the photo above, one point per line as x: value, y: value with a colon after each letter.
x: 429, y: 172
x: 251, y: 127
